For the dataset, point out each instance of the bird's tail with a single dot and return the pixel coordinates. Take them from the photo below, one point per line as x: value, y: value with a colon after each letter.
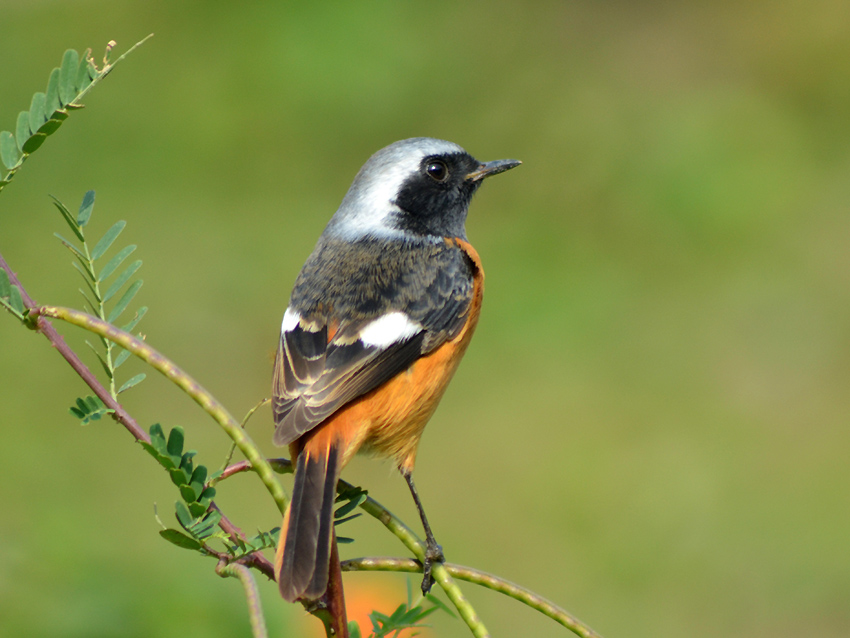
x: 303, y: 553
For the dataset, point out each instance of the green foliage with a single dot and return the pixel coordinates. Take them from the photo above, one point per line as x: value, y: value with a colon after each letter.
x: 66, y: 86
x: 109, y: 355
x: 199, y: 523
x: 89, y: 409
x: 351, y: 498
x: 404, y: 617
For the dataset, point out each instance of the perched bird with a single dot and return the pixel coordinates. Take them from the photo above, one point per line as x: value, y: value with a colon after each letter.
x: 379, y: 318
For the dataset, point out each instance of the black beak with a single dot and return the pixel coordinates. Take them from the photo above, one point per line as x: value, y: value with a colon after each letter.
x: 492, y: 168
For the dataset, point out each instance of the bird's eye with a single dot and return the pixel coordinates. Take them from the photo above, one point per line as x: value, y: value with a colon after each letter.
x: 437, y: 171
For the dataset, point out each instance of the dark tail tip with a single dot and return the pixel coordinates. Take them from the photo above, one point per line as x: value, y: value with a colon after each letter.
x: 303, y: 569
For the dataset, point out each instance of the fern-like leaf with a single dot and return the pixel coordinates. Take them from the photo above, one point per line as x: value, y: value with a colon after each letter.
x: 66, y: 87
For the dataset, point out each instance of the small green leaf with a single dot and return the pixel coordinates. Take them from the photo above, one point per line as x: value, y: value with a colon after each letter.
x: 206, y: 526
x: 132, y: 382
x: 187, y: 493
x: 157, y: 437
x: 9, y: 154
x: 89, y: 409
x: 354, y: 629
x: 32, y: 144
x: 87, y: 276
x: 175, y: 442
x: 106, y: 241
x: 340, y: 521
x: 183, y: 516
x: 113, y: 263
x: 51, y: 102
x: 50, y: 126
x: 15, y: 301
x: 37, y: 114
x: 121, y: 358
x: 22, y: 130
x: 150, y: 449
x: 186, y: 463
x: 83, y: 80
x: 350, y: 505
x: 68, y: 76
x: 72, y: 222
x: 100, y: 358
x: 85, y: 208
x: 207, y: 495
x: 180, y: 539
x: 70, y: 246
x: 197, y: 509
x: 178, y: 476
x: 199, y: 475
x: 122, y: 279
x: 125, y: 300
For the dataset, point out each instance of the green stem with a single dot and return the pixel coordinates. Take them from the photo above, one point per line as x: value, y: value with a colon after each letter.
x: 255, y: 608
x: 471, y: 575
x: 101, y: 313
x: 440, y: 573
x: 185, y: 382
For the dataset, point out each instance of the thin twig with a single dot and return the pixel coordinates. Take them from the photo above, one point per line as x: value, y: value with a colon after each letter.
x: 471, y: 575
x: 255, y: 607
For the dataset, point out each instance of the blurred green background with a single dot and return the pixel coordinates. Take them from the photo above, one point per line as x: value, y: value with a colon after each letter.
x: 650, y: 427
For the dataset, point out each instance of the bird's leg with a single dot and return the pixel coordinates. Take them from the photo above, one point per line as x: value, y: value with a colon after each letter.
x: 433, y: 552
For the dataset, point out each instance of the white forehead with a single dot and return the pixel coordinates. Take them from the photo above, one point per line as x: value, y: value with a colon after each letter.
x: 369, y: 204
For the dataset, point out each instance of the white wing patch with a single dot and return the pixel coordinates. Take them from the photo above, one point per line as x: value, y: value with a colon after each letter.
x: 290, y: 320
x: 389, y: 329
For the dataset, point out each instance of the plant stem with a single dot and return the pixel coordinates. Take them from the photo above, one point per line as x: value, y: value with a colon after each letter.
x: 255, y: 608
x: 471, y: 575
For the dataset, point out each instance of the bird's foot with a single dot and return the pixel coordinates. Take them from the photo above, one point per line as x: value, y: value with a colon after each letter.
x: 433, y: 554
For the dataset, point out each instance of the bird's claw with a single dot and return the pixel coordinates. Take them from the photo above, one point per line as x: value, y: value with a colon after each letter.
x: 433, y: 554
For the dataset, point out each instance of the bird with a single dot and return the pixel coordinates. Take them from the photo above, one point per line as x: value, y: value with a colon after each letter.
x: 378, y: 320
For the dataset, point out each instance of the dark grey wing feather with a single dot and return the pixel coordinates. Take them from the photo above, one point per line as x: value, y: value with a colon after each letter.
x: 350, y: 371
x: 315, y: 376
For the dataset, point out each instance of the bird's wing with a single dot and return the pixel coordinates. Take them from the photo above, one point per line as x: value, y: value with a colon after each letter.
x: 319, y: 367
